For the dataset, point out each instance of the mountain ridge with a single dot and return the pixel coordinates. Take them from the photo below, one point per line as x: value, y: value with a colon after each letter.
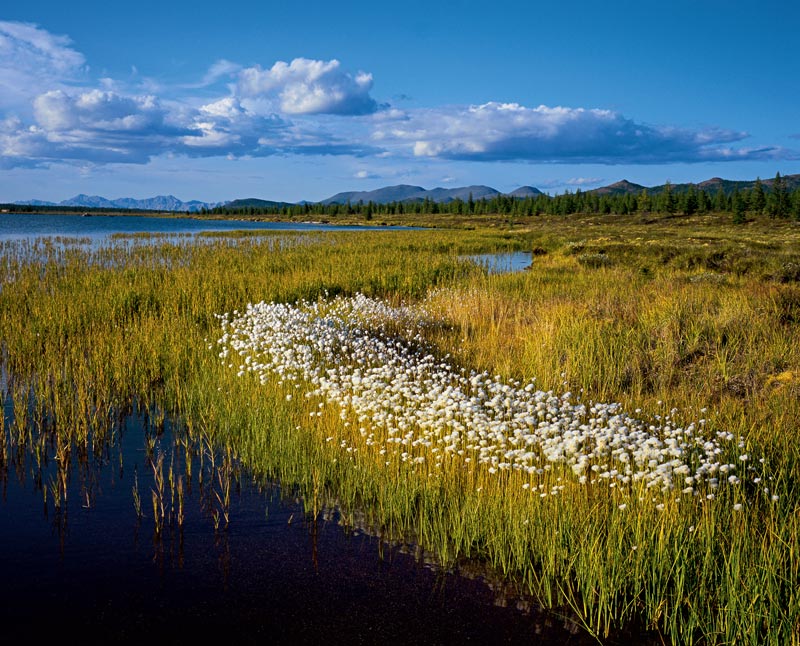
x: 157, y: 203
x: 402, y: 193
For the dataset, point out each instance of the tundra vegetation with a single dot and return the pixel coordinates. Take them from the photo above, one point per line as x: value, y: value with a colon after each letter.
x: 614, y: 429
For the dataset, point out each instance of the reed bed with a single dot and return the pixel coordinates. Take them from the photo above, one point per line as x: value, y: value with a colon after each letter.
x: 435, y: 407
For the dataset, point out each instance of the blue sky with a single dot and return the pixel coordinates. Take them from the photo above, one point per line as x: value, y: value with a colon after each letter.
x: 292, y: 101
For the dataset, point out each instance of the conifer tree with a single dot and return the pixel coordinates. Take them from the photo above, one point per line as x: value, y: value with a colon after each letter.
x: 644, y: 201
x: 668, y: 199
x: 739, y: 208
x: 690, y: 201
x: 720, y: 200
x: 779, y: 202
x: 758, y: 199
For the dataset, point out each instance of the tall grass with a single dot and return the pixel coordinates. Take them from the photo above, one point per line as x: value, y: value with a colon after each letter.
x: 670, y: 318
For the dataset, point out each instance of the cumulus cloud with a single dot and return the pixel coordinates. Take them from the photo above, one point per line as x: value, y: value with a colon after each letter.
x: 101, y: 126
x: 50, y: 111
x: 307, y: 86
x: 94, y: 126
x: 32, y: 59
x: 512, y: 132
x: 98, y: 110
x: 225, y: 126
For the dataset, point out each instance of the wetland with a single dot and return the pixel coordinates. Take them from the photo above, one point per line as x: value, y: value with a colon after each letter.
x: 370, y: 426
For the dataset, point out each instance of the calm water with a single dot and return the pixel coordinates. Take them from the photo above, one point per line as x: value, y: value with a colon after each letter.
x: 501, y: 263
x: 22, y: 226
x: 90, y: 568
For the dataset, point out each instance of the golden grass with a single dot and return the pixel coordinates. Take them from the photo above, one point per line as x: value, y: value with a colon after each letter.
x: 692, y: 314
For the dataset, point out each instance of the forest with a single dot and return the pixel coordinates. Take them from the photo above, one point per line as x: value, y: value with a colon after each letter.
x: 777, y: 200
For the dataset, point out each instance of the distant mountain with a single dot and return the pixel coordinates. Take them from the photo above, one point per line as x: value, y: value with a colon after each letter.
x: 256, y: 203
x: 409, y: 193
x: 619, y: 188
x: 711, y: 186
x: 449, y: 194
x: 158, y: 203
x: 525, y: 191
x: 399, y: 193
x: 37, y: 203
x: 91, y: 201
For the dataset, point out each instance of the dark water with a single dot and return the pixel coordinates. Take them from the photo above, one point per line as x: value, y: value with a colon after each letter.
x: 25, y: 226
x: 90, y: 569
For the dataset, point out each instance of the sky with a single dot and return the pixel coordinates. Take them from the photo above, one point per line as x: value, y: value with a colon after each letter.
x: 301, y: 100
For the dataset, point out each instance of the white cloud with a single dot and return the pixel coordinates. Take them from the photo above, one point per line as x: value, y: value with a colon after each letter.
x: 33, y: 60
x: 98, y: 110
x: 93, y: 126
x: 512, y: 132
x: 307, y: 86
x: 50, y: 111
x: 221, y: 69
x: 365, y: 174
x: 225, y: 126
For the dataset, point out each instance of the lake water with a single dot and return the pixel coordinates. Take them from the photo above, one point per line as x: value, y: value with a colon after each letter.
x: 26, y: 226
x: 89, y: 568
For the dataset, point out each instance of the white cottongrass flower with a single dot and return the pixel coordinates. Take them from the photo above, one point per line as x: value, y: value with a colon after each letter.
x: 424, y: 411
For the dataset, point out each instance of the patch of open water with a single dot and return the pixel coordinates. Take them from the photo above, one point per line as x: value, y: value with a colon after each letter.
x: 29, y: 226
x: 91, y: 568
x: 502, y: 263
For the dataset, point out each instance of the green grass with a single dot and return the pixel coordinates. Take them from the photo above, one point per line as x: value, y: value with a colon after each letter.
x: 695, y: 313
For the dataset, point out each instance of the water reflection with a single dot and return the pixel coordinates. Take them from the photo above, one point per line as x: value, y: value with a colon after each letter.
x: 139, y: 530
x: 29, y: 226
x: 502, y: 263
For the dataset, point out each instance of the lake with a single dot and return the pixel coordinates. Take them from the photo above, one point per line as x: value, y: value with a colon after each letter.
x: 97, y: 228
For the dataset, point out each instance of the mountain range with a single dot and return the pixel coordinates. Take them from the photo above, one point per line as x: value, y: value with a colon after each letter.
x: 158, y: 203
x: 402, y: 193
x: 409, y: 193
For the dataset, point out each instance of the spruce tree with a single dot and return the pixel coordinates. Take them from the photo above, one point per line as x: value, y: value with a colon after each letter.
x: 720, y: 200
x: 644, y: 201
x: 690, y: 201
x: 739, y: 208
x: 668, y: 199
x: 779, y: 206
x: 758, y: 200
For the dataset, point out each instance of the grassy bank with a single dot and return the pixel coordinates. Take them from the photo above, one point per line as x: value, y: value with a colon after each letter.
x: 688, y: 314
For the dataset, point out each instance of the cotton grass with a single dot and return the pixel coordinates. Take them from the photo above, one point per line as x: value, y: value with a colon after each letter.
x: 370, y: 360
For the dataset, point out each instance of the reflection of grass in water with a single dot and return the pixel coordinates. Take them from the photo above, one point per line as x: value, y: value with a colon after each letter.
x: 136, y: 322
x: 148, y: 235
x: 177, y: 465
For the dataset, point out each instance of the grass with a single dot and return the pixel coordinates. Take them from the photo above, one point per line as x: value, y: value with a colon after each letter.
x: 690, y: 313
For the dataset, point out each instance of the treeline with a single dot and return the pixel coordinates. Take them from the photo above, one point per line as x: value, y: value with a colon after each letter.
x: 776, y: 200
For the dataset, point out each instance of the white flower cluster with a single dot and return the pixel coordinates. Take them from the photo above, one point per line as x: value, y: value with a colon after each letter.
x: 413, y: 407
